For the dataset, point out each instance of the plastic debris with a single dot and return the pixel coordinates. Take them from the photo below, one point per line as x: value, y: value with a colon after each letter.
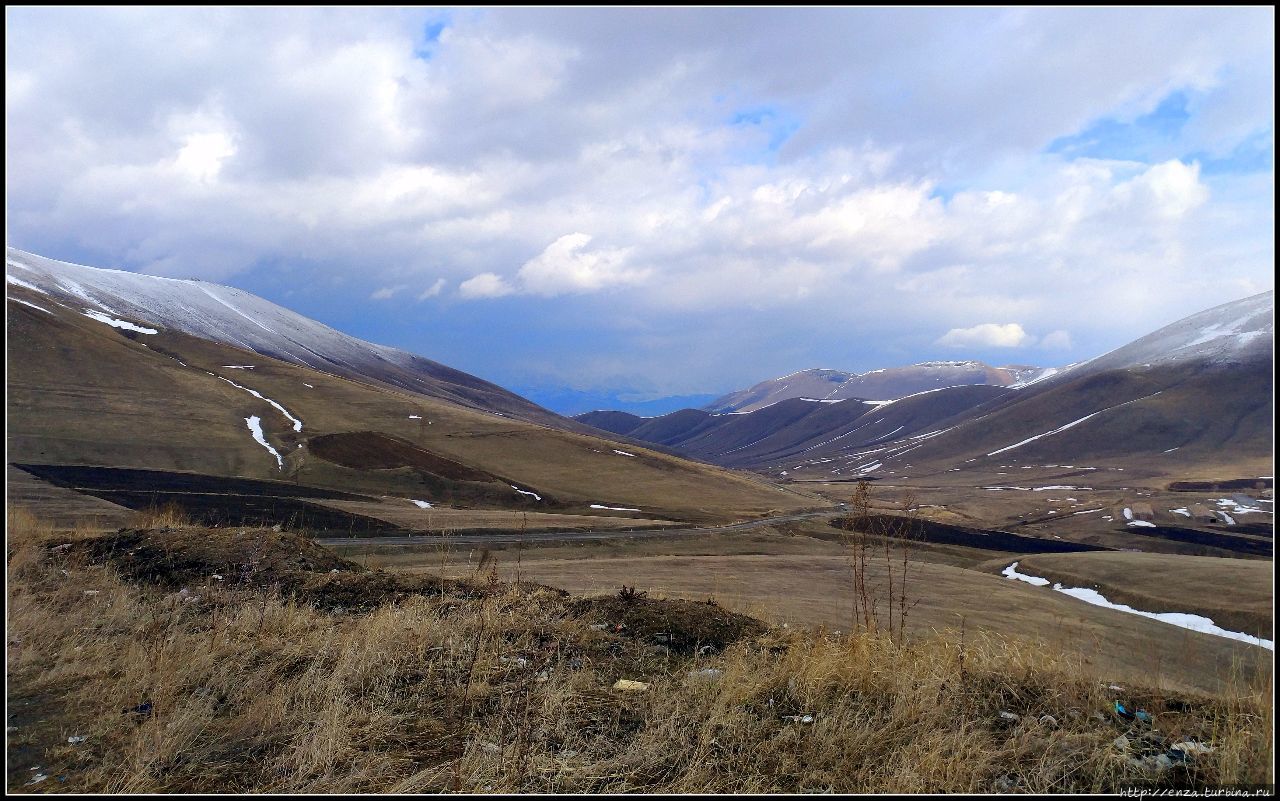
x: 804, y: 719
x: 599, y: 626
x: 64, y: 546
x: 1191, y: 748
x: 216, y: 577
x: 93, y: 592
x: 143, y: 709
x: 1121, y: 743
x: 1143, y: 716
x: 77, y: 739
x: 707, y: 673
x: 1049, y: 720
x: 1009, y: 716
x: 631, y: 686
x: 36, y: 779
x: 1122, y: 712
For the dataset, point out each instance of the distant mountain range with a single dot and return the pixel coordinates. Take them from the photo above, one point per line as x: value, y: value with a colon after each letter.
x: 886, y: 384
x: 1193, y: 398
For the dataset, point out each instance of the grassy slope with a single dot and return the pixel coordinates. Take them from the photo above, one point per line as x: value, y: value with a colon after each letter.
x: 1235, y: 593
x: 479, y: 686
x: 84, y: 393
x: 808, y: 583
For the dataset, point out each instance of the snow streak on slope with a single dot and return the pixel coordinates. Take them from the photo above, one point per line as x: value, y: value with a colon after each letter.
x: 1181, y: 619
x: 297, y: 424
x: 1072, y: 424
x: 255, y: 428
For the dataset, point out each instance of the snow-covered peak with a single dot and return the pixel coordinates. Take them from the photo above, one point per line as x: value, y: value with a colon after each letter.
x: 1242, y: 330
x: 235, y: 317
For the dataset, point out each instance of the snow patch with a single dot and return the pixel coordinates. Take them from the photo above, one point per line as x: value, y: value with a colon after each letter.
x: 32, y: 305
x: 297, y: 424
x: 114, y: 323
x: 535, y: 495
x: 23, y: 284
x: 255, y: 428
x: 1181, y: 619
x: 420, y: 504
x: 613, y: 508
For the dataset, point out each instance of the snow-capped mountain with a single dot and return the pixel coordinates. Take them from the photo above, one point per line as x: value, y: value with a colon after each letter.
x: 1239, y: 331
x: 234, y: 317
x: 885, y: 384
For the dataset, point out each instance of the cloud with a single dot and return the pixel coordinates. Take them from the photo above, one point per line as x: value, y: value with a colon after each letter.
x: 1056, y: 340
x: 567, y: 266
x: 987, y: 335
x: 791, y: 178
x: 485, y: 285
x: 433, y: 290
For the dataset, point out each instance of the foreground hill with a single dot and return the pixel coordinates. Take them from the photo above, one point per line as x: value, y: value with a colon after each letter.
x: 97, y: 382
x: 227, y: 660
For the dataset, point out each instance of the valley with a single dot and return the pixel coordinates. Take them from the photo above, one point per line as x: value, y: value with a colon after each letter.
x: 943, y: 514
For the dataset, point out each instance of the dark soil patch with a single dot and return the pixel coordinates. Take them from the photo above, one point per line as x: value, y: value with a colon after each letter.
x: 253, y: 511
x: 1234, y: 484
x: 87, y: 477
x: 682, y: 626
x: 296, y: 566
x: 921, y: 530
x: 371, y: 450
x: 1209, y: 538
x: 175, y: 557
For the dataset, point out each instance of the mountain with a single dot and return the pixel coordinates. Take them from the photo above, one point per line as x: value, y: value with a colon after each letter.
x: 234, y: 317
x: 1193, y: 399
x: 141, y: 390
x: 886, y: 384
x: 794, y: 428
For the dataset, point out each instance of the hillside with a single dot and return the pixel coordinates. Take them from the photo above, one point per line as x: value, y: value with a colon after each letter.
x: 239, y: 319
x: 101, y: 387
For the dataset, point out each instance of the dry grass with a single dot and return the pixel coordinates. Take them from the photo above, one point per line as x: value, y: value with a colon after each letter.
x: 234, y: 687
x: 168, y: 515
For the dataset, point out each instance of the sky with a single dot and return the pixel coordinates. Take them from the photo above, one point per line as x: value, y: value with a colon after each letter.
x: 630, y: 208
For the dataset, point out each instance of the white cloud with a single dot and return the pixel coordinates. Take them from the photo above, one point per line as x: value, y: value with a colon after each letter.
x: 567, y: 266
x: 1056, y: 340
x: 796, y: 175
x: 987, y: 335
x: 433, y: 290
x: 485, y: 285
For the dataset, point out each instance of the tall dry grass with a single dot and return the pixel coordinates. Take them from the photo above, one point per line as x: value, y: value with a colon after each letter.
x: 220, y: 689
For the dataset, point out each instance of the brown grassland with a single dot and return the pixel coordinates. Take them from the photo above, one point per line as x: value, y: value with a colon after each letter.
x: 225, y: 660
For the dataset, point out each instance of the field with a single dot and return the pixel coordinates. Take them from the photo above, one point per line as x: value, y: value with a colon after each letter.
x: 184, y: 659
x: 803, y: 578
